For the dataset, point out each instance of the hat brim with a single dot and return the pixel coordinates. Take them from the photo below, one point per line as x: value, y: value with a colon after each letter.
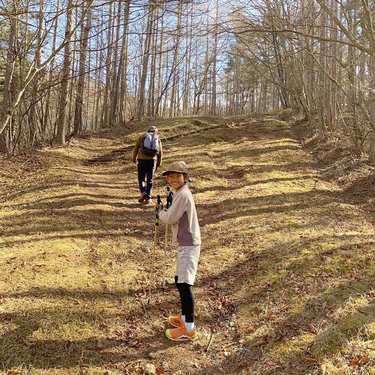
x: 167, y: 172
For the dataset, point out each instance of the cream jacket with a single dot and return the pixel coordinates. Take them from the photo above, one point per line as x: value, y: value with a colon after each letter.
x: 182, y: 214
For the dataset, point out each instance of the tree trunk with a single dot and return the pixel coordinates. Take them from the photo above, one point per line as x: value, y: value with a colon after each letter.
x: 214, y: 64
x: 6, y: 114
x: 146, y: 56
x: 123, y: 65
x: 62, y: 104
x: 176, y: 76
x: 85, y: 31
x: 108, y: 67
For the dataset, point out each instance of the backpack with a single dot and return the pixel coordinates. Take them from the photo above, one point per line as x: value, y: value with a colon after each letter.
x: 150, y: 144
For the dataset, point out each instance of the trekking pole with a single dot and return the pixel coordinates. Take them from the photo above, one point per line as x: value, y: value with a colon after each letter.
x: 156, y: 225
x: 169, y: 203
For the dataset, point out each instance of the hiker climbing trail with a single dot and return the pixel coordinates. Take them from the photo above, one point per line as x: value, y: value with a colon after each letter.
x: 286, y: 281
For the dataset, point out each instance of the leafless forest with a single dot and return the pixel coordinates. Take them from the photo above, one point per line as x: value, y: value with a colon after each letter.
x: 75, y: 66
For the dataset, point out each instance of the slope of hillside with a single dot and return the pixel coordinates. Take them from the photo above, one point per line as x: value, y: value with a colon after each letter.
x: 286, y: 283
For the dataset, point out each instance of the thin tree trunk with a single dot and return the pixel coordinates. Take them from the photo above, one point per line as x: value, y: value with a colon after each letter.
x: 108, y: 67
x: 123, y: 66
x: 174, y: 95
x: 153, y: 50
x: 214, y: 64
x: 61, y: 118
x: 85, y: 31
x: 146, y: 55
x: 115, y: 80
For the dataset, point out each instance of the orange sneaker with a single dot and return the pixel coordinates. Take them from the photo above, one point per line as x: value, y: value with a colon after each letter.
x: 180, y: 334
x: 175, y: 321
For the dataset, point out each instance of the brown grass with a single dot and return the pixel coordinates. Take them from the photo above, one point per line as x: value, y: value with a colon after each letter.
x: 286, y: 279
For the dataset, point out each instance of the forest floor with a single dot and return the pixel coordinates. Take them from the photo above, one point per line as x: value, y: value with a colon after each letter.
x: 286, y: 282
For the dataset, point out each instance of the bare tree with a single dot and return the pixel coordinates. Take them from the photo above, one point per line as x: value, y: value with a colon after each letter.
x: 61, y: 118
x: 85, y: 30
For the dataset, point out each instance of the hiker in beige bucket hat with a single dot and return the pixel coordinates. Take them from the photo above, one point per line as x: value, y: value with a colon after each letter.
x: 182, y: 215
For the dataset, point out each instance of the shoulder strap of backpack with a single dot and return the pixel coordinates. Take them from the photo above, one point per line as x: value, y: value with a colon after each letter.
x: 142, y: 140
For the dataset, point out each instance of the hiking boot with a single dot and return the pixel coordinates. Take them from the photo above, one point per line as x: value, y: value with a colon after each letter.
x: 147, y: 200
x: 142, y: 198
x: 175, y: 321
x: 180, y: 334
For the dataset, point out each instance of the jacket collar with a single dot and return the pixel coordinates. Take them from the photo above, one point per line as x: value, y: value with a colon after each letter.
x: 182, y: 188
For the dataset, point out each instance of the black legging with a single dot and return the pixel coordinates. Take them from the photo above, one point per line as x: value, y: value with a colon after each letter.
x: 187, y: 300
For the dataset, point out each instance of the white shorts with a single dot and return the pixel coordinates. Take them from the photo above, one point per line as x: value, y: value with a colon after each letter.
x: 187, y: 263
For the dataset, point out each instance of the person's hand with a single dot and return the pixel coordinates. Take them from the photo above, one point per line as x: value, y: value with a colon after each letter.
x: 158, y: 208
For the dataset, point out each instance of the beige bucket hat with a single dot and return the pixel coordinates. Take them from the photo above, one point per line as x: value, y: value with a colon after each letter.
x: 176, y: 166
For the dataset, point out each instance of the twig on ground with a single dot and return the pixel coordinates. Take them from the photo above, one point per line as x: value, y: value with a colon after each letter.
x: 210, y: 341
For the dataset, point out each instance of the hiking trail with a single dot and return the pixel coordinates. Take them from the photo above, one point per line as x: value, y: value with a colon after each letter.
x: 286, y: 282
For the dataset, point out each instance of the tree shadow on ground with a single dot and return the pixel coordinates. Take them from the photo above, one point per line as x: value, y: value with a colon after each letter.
x: 90, y: 223
x: 20, y: 348
x: 23, y: 343
x: 67, y: 201
x: 276, y: 203
x: 63, y: 183
x: 329, y: 335
x: 303, y: 359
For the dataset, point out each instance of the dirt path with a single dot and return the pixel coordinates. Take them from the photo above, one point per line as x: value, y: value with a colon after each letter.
x: 286, y: 281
